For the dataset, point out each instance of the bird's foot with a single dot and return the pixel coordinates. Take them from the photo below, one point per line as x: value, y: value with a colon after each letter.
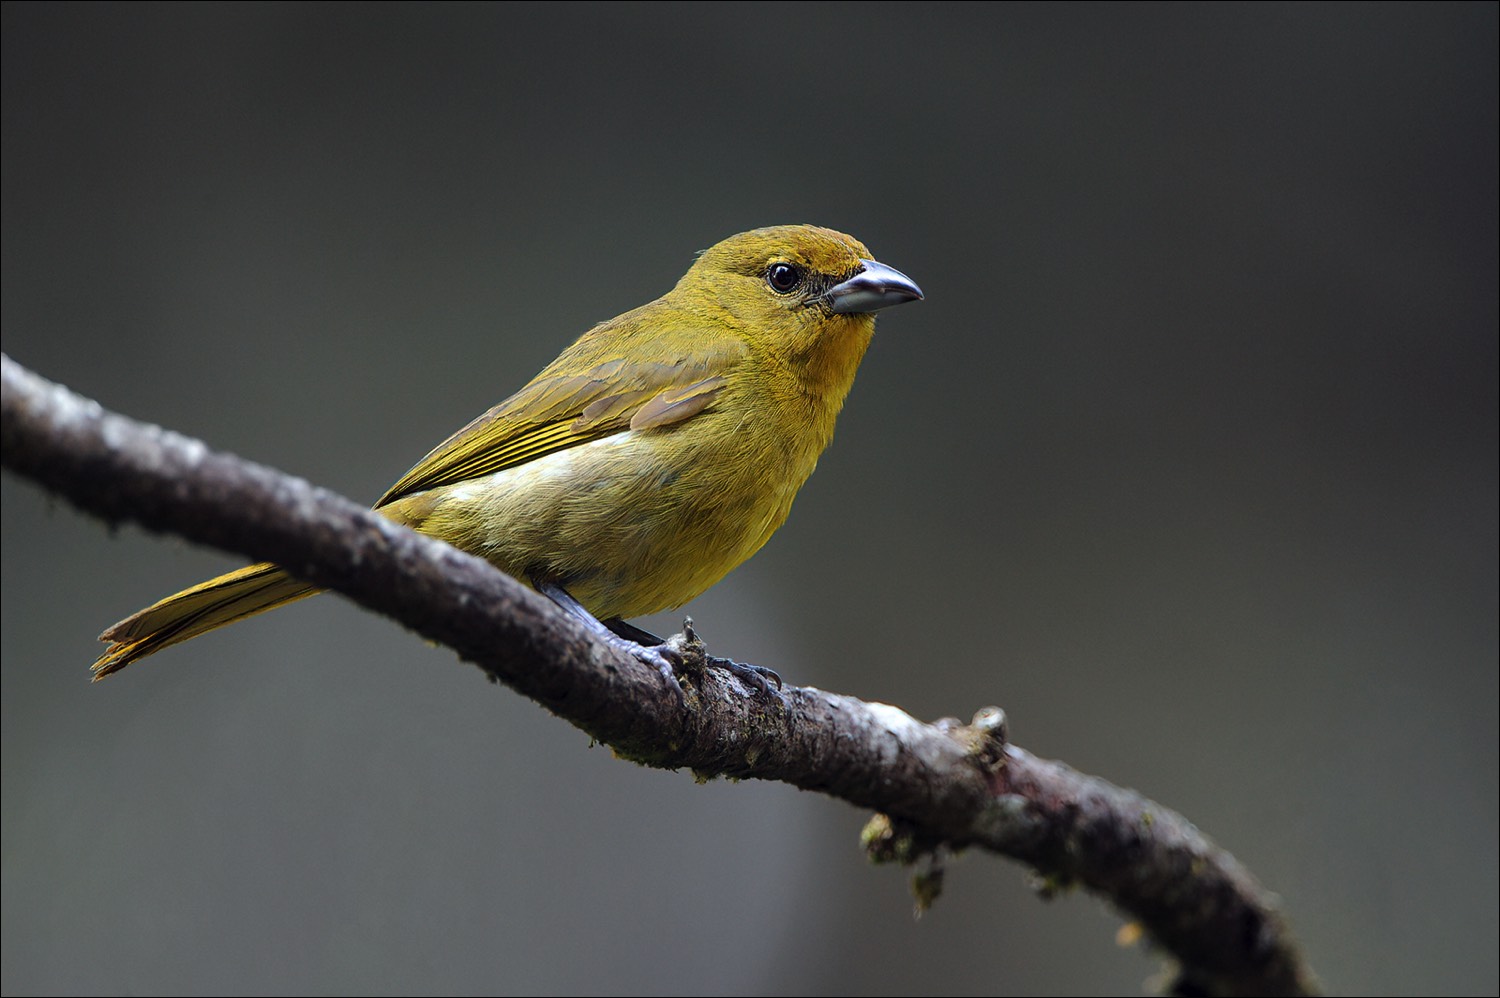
x: 664, y: 659
x: 643, y: 646
x: 682, y: 654
x: 663, y: 656
x: 696, y: 658
x: 755, y: 676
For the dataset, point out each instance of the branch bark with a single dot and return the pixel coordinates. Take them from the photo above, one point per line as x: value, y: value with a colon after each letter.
x: 942, y: 786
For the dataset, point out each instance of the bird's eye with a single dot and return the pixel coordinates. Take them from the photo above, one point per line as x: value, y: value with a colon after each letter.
x: 783, y: 278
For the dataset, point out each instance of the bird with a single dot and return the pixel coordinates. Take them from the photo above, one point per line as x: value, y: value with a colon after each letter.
x: 653, y: 456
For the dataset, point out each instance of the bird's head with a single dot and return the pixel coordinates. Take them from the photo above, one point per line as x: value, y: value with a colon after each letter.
x: 802, y: 292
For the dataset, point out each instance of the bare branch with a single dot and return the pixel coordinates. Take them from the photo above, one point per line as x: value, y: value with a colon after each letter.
x: 943, y: 786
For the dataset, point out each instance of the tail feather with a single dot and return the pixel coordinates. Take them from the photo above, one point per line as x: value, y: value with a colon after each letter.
x: 195, y: 611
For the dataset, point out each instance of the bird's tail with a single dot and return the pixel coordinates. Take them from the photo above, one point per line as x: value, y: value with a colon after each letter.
x: 197, y: 610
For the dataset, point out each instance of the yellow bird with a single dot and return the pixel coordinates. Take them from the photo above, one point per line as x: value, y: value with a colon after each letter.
x: 654, y: 455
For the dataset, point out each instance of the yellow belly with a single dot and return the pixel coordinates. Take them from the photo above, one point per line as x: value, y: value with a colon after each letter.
x: 630, y: 524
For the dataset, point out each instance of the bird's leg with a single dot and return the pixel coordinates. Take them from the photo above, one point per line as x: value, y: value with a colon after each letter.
x: 650, y: 649
x: 754, y: 675
x: 657, y: 654
x: 630, y: 632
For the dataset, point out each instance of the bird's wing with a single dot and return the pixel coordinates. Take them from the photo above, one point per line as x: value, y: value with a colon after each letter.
x: 557, y: 410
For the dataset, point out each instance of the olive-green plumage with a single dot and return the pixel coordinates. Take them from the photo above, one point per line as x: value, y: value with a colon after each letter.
x: 654, y: 455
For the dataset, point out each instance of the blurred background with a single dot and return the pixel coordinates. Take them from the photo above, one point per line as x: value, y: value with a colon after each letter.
x: 1188, y: 460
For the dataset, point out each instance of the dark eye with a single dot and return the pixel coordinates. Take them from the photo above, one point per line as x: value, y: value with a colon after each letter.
x: 783, y: 278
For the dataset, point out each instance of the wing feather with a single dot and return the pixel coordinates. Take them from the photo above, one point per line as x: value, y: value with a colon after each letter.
x: 557, y: 411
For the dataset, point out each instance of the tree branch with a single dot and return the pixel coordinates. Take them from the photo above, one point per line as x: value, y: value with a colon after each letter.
x: 943, y: 786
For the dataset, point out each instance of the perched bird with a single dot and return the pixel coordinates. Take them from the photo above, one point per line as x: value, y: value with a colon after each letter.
x: 654, y: 455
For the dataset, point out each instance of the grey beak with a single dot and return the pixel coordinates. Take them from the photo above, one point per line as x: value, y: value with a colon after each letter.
x: 875, y: 287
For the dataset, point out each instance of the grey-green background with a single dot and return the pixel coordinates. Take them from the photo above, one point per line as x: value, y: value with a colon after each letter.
x: 1188, y: 461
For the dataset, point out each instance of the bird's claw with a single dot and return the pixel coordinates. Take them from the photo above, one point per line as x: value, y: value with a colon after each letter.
x: 665, y: 660
x: 696, y: 658
x: 755, y: 676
